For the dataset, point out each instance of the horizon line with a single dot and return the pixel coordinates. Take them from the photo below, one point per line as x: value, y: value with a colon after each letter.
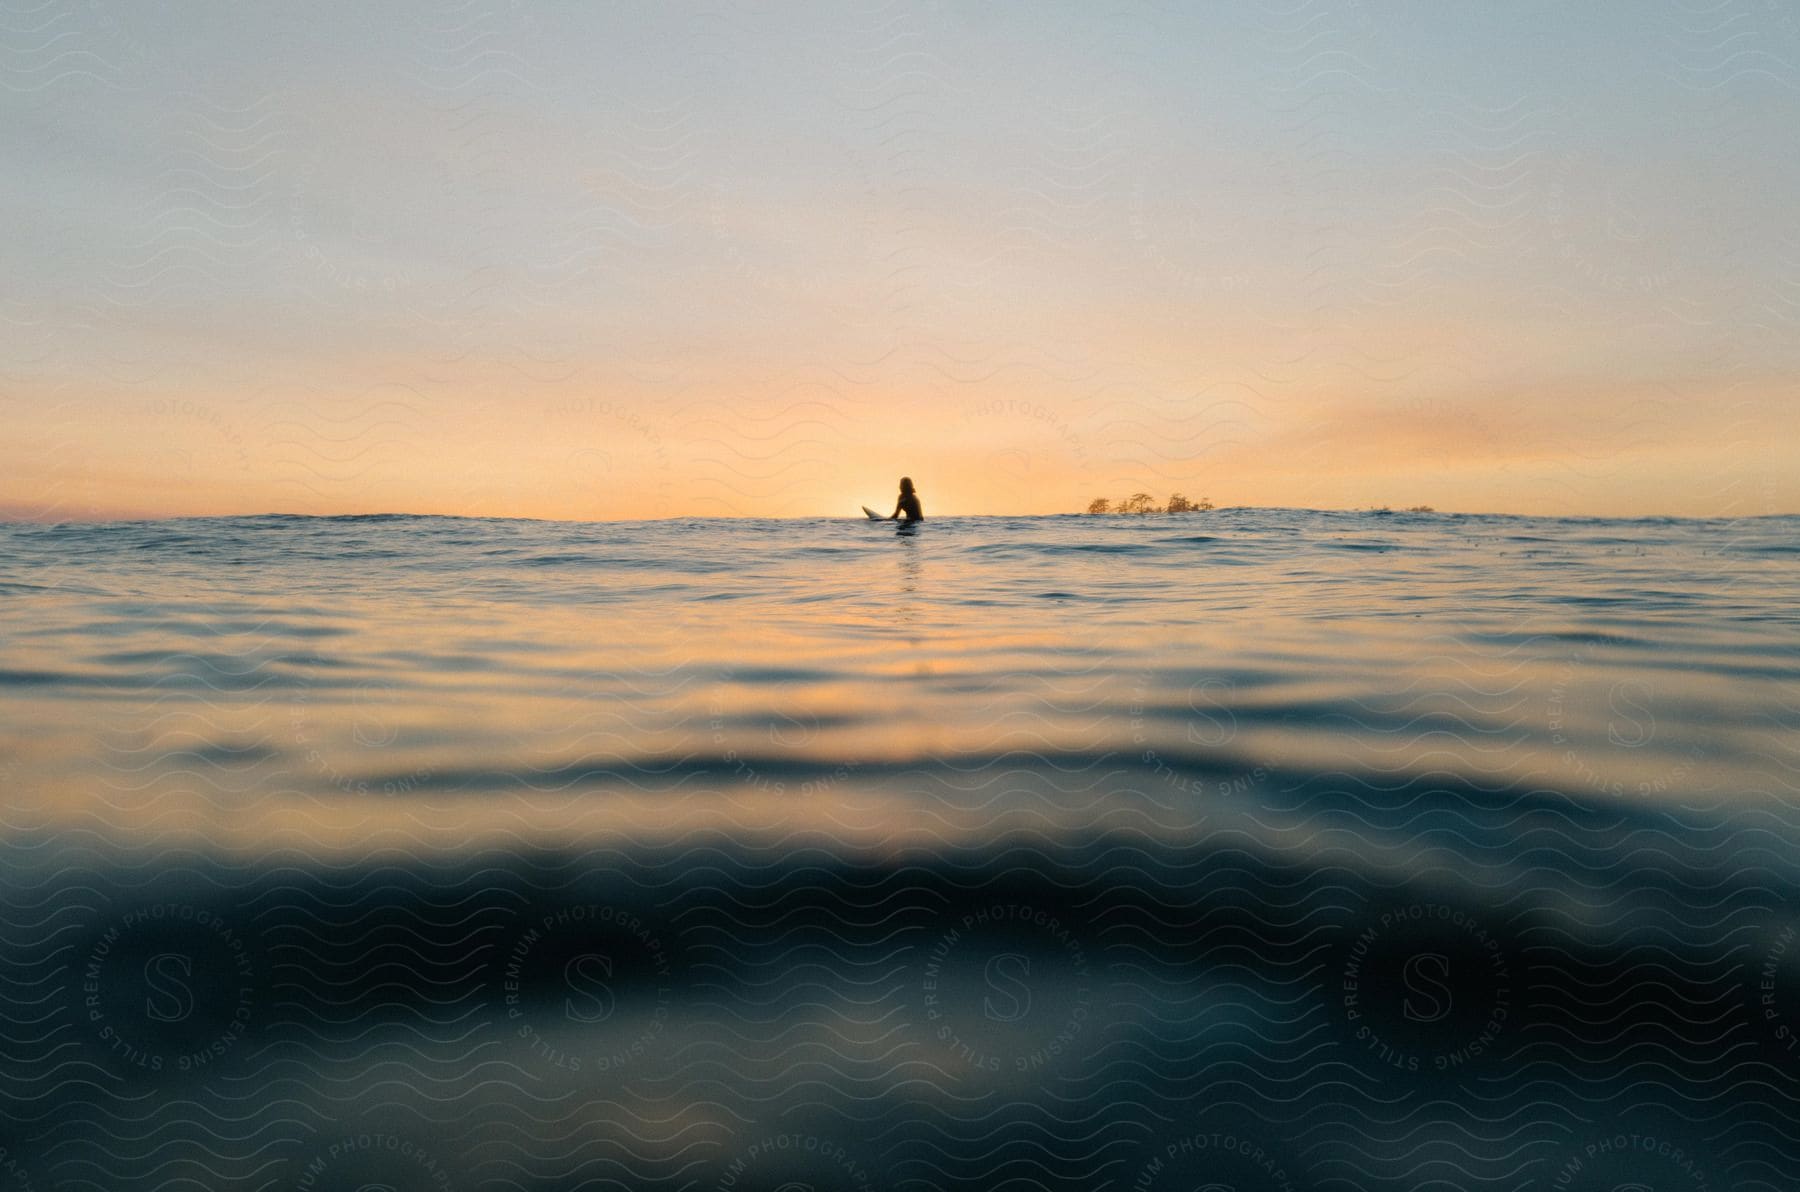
x: 9, y: 518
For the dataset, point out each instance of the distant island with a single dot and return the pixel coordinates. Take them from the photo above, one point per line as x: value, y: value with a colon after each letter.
x: 1145, y: 503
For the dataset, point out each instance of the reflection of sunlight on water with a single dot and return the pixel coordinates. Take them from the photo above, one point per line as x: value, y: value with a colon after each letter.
x: 614, y: 666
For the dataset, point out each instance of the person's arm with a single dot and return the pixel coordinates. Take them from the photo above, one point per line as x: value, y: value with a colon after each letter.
x: 895, y: 515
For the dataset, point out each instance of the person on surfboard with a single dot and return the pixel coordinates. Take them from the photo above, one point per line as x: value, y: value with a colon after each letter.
x: 909, y: 502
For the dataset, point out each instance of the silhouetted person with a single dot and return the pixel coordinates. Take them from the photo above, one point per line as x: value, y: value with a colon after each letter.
x: 908, y: 503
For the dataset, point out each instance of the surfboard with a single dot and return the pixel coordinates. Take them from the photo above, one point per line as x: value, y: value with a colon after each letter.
x: 873, y: 516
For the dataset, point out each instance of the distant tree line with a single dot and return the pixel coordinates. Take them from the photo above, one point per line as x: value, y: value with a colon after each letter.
x: 1145, y: 503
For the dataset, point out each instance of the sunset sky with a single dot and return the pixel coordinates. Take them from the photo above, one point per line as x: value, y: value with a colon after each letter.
x: 613, y: 261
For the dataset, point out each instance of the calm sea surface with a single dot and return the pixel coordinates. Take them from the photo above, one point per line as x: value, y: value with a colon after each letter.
x: 1240, y: 850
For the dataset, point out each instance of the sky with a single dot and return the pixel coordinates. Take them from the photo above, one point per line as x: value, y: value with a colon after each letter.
x: 599, y: 261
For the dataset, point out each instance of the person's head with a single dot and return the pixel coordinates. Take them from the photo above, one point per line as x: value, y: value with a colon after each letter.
x: 906, y: 485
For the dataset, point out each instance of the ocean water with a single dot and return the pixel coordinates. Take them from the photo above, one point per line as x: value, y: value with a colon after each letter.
x: 1249, y: 849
